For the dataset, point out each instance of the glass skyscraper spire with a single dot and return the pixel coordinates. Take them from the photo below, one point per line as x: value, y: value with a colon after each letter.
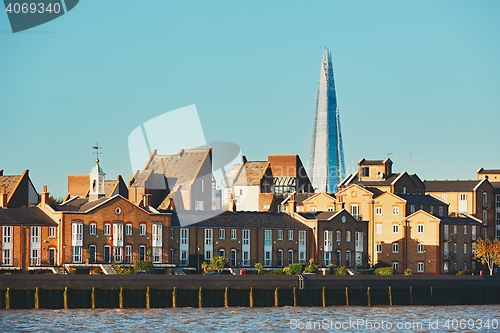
x: 326, y: 161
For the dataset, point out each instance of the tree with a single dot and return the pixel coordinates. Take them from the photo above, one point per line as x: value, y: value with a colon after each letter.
x: 488, y: 251
x: 258, y: 267
x: 217, y: 263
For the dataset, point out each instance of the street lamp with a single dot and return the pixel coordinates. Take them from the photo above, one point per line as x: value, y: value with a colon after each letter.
x: 198, y: 255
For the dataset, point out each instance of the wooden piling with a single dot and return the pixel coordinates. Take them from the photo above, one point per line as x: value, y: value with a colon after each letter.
x: 120, y: 298
x: 226, y: 297
x: 294, y: 296
x: 369, y: 296
x: 65, y: 297
x: 7, y: 298
x: 276, y: 297
x: 174, y: 297
x: 390, y: 296
x: 251, y: 297
x: 346, y: 296
x: 148, y: 297
x: 200, y: 297
x: 92, y: 298
x: 37, y: 295
x: 323, y: 296
x: 411, y: 295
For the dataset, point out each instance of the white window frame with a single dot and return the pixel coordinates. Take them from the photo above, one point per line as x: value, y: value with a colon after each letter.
x: 395, y: 247
x: 117, y: 254
x: 465, y: 248
x: 395, y: 266
x: 128, y: 229
x: 107, y: 229
x: 142, y: 229
x: 379, y: 247
x: 378, y: 211
x: 420, y: 248
x: 420, y: 267
x: 378, y: 228
x: 290, y: 234
x: 77, y: 254
x: 395, y: 228
x: 92, y: 229
x: 222, y: 233
x: 128, y: 254
x: 268, y: 237
x: 420, y: 228
x: 234, y: 234
x: 52, y: 232
x: 157, y: 254
x: 199, y: 205
x: 280, y: 234
x: 348, y: 236
x: 395, y: 210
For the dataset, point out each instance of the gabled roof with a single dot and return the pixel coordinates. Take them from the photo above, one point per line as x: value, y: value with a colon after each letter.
x: 317, y: 195
x: 488, y: 171
x: 180, y: 169
x: 248, y: 220
x: 10, y: 183
x: 251, y: 173
x: 419, y: 212
x: 375, y: 192
x: 451, y: 185
x: 27, y: 216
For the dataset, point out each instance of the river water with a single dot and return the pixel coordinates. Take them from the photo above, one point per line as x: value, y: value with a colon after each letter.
x: 284, y: 319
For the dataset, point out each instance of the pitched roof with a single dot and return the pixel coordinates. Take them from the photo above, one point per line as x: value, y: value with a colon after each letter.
x: 421, y: 199
x: 450, y: 185
x: 250, y: 220
x: 78, y: 204
x: 251, y: 173
x: 9, y: 182
x: 181, y: 169
x: 370, y: 183
x: 461, y: 219
x: 28, y: 216
x: 488, y: 171
x: 284, y: 165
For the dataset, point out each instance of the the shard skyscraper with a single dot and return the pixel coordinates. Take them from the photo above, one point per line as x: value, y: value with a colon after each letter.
x: 326, y: 162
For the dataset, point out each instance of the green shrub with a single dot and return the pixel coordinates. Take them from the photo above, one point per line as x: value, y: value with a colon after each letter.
x: 384, y: 271
x: 296, y: 269
x: 408, y: 271
x: 258, y: 267
x: 340, y: 271
x: 464, y: 272
x: 145, y: 265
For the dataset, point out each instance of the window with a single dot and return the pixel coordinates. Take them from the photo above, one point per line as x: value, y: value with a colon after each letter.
x: 268, y: 237
x: 355, y: 210
x: 338, y: 258
x: 267, y: 258
x: 445, y: 267
x: 233, y: 233
x: 290, y: 234
x: 444, y: 196
x: 330, y: 209
x: 420, y: 228
x: 290, y: 256
x: 395, y: 247
x: 222, y: 253
x: 280, y: 234
x: 395, y: 266
x: 157, y: 233
x: 246, y: 237
x: 473, y: 231
x: 446, y: 251
x: 412, y: 209
x: 465, y: 230
x: 35, y: 233
x: 302, y: 238
x: 184, y: 236
x: 52, y: 232
x: 128, y: 229
x: 445, y: 232
x: 313, y: 209
x: 142, y: 230
x: 338, y: 236
x: 118, y: 234
x: 420, y: 248
x: 348, y: 258
x: 77, y: 254
x: 208, y: 237
x: 420, y: 267
x: 455, y: 266
x: 7, y: 245
x: 455, y: 228
x: 107, y: 229
x: 465, y: 248
x: 347, y: 236
x: 157, y: 254
x: 76, y: 234
x: 379, y: 248
x: 184, y: 258
x: 455, y: 248
x: 432, y: 210
x: 117, y: 253
x: 128, y: 254
x: 378, y: 228
x: 395, y: 210
x: 280, y: 258
x: 404, y: 189
x: 485, y: 199
x: 485, y: 217
x: 199, y: 205
x: 365, y: 171
x: 378, y: 211
x: 440, y: 211
x: 222, y: 233
x: 203, y: 185
x: 473, y: 249
x: 92, y: 229
x: 497, y: 200
x: 92, y: 251
x: 395, y: 228
x: 465, y: 265
x: 172, y: 235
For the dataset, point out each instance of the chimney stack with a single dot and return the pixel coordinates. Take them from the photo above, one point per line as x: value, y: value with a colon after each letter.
x: 292, y: 204
x: 146, y: 200
x: 3, y: 197
x: 45, y: 196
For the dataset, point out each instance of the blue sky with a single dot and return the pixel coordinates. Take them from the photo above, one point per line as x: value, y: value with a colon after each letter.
x: 412, y: 77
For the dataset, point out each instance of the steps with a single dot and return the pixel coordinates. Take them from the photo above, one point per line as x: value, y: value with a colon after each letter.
x: 108, y: 269
x: 58, y: 270
x: 178, y: 271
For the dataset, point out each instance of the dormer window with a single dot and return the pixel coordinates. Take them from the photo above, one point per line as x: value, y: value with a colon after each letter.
x: 365, y: 171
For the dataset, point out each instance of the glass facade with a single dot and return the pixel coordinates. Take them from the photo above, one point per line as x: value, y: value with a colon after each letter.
x: 326, y: 161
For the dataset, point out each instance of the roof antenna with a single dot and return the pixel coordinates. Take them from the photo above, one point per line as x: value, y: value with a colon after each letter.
x: 389, y: 155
